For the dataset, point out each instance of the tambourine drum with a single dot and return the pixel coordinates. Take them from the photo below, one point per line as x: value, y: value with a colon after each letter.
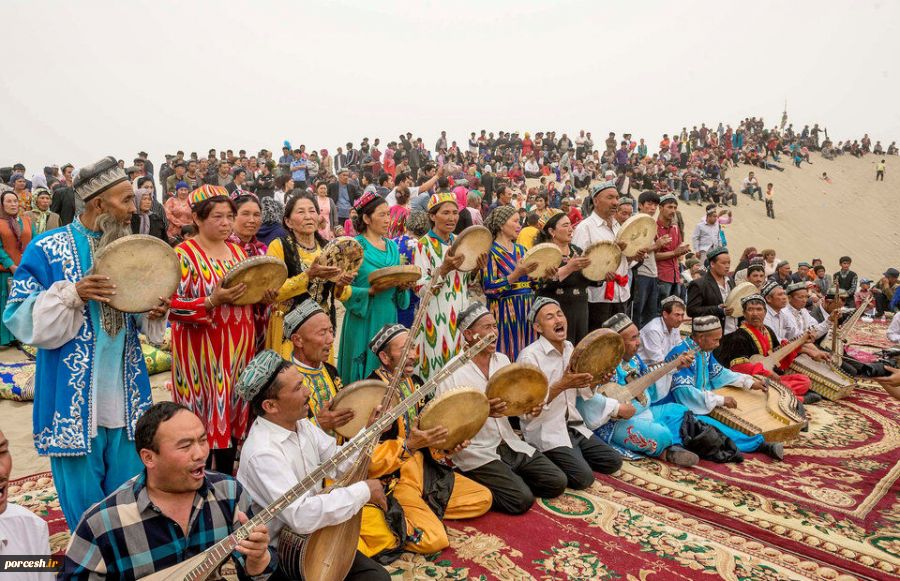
x: 546, y: 255
x: 598, y: 353
x: 362, y: 397
x: 462, y: 411
x: 745, y: 289
x: 605, y: 258
x: 259, y: 273
x: 472, y: 243
x: 638, y: 232
x: 143, y: 268
x: 343, y: 252
x: 521, y: 385
x: 394, y: 276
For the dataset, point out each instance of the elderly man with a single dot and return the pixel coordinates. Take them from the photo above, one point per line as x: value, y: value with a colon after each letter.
x: 782, y: 322
x: 91, y: 380
x: 171, y: 511
x: 612, y: 295
x: 798, y: 297
x: 559, y: 432
x: 885, y: 290
x: 496, y: 457
x: 755, y: 337
x: 662, y: 334
x: 21, y: 531
x: 782, y: 274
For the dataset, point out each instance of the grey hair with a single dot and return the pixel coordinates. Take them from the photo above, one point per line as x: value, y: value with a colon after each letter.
x: 111, y: 229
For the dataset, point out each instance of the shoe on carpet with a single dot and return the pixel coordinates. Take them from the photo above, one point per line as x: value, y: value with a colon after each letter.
x: 681, y: 457
x: 811, y: 397
x: 773, y: 450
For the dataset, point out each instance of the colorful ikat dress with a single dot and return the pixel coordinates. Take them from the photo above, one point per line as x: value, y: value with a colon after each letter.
x: 509, y: 303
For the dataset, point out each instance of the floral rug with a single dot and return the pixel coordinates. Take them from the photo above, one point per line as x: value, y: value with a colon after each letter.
x: 831, y: 510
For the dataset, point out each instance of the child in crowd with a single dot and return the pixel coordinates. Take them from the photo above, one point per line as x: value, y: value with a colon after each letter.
x: 770, y: 200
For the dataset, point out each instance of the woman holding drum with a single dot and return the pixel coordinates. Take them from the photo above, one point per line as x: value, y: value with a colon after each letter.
x: 247, y: 221
x: 569, y: 286
x: 507, y: 285
x: 212, y: 339
x: 369, y: 308
x: 299, y: 249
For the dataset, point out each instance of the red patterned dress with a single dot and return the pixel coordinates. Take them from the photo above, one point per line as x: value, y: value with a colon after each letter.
x: 211, y: 348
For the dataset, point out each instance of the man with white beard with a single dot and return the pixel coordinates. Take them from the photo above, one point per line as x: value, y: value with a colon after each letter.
x: 91, y: 382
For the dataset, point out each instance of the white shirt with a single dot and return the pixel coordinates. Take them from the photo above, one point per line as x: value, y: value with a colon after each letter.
x: 550, y: 429
x: 483, y: 447
x: 274, y: 460
x: 392, y: 195
x: 805, y: 321
x: 595, y: 229
x: 893, y: 332
x: 705, y: 236
x: 23, y: 533
x: 532, y: 166
x: 657, y: 340
x: 783, y: 323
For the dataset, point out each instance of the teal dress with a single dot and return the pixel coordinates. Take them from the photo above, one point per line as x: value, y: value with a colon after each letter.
x: 365, y: 315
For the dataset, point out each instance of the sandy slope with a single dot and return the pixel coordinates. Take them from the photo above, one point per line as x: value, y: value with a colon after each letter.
x: 852, y: 215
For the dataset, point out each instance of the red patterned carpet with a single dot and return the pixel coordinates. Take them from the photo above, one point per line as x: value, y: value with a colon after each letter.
x: 830, y: 511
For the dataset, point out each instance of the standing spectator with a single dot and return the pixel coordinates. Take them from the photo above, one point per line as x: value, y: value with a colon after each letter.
x: 178, y: 211
x: 343, y: 193
x: 41, y: 216
x: 667, y: 256
x: 15, y: 234
x: 298, y: 170
x: 770, y: 200
x: 706, y: 233
x: 144, y: 221
x: 847, y: 280
x: 879, y: 171
x: 63, y: 202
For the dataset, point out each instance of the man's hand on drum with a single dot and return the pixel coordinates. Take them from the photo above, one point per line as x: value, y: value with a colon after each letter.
x: 460, y: 447
x: 498, y: 406
x: 225, y: 296
x: 95, y: 287
x: 329, y: 420
x: 535, y: 411
x: 159, y: 311
x: 570, y: 380
x: 433, y: 438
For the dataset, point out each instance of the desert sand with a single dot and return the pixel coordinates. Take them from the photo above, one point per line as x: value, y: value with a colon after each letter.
x: 852, y: 215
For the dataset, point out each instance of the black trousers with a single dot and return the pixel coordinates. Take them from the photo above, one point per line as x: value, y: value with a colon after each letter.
x: 362, y: 569
x: 584, y: 457
x: 599, y: 312
x: 516, y: 479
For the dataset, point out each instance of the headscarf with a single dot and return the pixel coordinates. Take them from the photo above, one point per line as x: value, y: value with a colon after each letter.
x: 12, y: 219
x: 272, y: 210
x: 497, y: 218
x: 40, y: 224
x: 144, y: 216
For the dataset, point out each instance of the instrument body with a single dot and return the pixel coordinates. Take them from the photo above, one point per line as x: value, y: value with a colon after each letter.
x: 394, y: 276
x: 126, y: 259
x: 343, y: 252
x: 472, y: 243
x: 827, y: 380
x: 733, y: 300
x: 840, y: 335
x: 362, y: 397
x: 638, y: 233
x: 259, y: 273
x: 521, y: 385
x: 462, y: 411
x: 635, y: 389
x: 605, y: 258
x: 546, y: 255
x: 775, y: 413
x: 598, y: 353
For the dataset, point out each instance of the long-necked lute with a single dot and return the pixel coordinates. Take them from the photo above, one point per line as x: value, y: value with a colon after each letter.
x: 636, y: 388
x: 200, y: 567
x: 770, y: 361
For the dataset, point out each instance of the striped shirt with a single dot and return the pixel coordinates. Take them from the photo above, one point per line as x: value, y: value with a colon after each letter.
x: 126, y: 536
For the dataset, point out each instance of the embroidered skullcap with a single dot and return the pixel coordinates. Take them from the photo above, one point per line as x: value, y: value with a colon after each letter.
x: 549, y: 219
x: 715, y: 251
x: 671, y: 299
x: 782, y: 263
x: 602, y: 186
x: 666, y: 198
x: 538, y: 304
x: 384, y: 336
x: 841, y: 293
x: 206, y: 192
x: 366, y: 199
x: 755, y: 268
x: 497, y: 218
x: 471, y: 314
x: 767, y: 288
x: 259, y: 374
x: 804, y: 263
x: 94, y: 179
x: 305, y: 309
x: 755, y: 297
x: 758, y: 259
x: 705, y: 323
x: 797, y: 286
x: 441, y: 198
x: 618, y: 322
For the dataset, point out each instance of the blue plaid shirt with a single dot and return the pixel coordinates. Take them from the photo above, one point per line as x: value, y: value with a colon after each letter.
x: 125, y: 536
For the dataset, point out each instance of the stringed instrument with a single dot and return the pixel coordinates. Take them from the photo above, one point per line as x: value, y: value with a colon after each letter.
x: 328, y: 553
x: 775, y: 413
x: 840, y: 334
x: 770, y: 361
x: 200, y: 567
x: 635, y: 388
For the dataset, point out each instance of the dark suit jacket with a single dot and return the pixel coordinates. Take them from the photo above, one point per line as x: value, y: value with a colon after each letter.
x: 704, y: 298
x: 334, y: 189
x: 63, y: 203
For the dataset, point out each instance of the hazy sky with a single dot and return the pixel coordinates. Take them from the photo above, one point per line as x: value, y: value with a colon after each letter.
x: 89, y: 78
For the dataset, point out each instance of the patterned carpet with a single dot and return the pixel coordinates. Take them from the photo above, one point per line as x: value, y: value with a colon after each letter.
x: 830, y: 511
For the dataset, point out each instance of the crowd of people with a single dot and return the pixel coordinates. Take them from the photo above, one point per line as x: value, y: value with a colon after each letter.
x: 253, y: 385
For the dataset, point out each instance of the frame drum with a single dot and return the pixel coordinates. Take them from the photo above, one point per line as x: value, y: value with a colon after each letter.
x: 598, y: 353
x: 127, y: 260
x: 472, y: 243
x: 259, y: 273
x: 463, y: 411
x: 521, y: 385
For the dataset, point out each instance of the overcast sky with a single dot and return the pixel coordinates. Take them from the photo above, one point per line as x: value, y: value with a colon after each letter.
x: 87, y: 79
